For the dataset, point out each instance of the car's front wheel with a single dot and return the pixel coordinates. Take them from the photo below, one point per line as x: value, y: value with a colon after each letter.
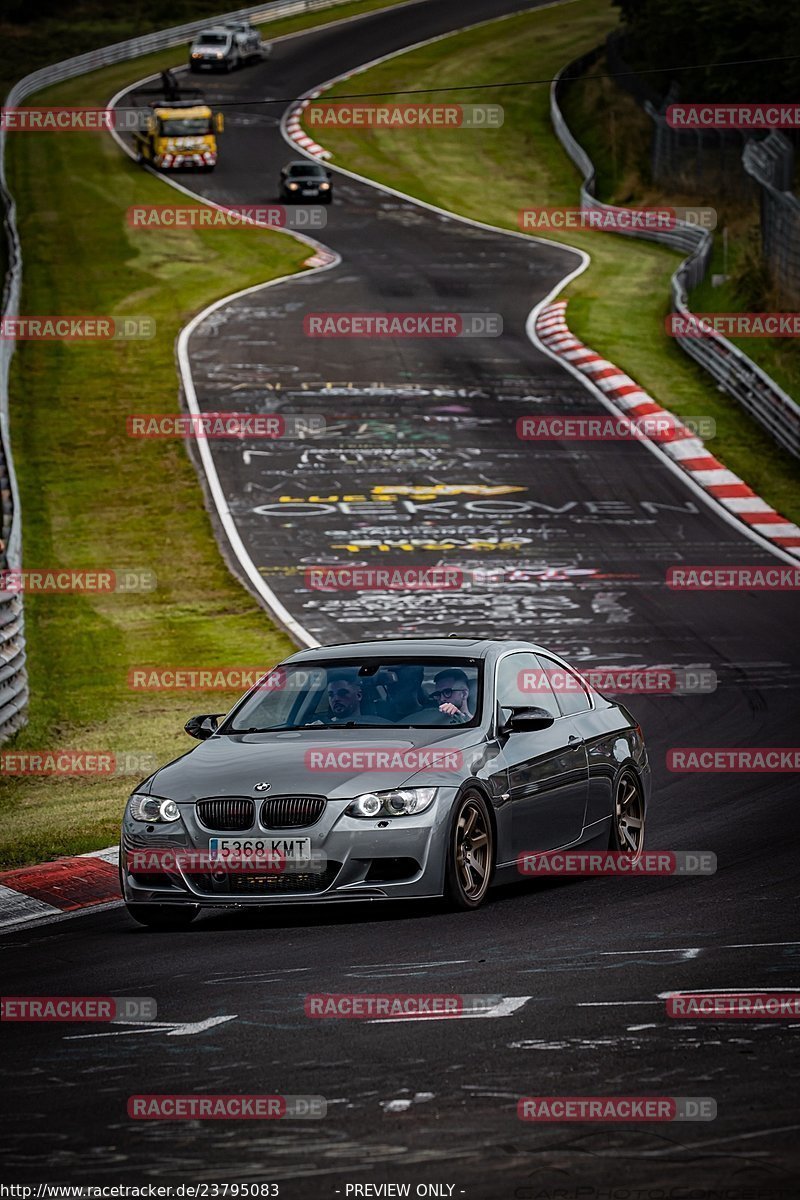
x: 627, y: 823
x: 470, y: 853
x: 163, y: 916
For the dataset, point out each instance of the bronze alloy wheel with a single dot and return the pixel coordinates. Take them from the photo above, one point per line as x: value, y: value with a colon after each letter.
x: 471, y: 854
x: 627, y: 830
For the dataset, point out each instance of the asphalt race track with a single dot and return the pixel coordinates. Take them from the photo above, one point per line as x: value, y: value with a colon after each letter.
x: 432, y: 424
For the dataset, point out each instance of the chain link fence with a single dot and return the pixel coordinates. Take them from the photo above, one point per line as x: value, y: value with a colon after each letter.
x: 771, y: 164
x: 697, y: 161
x: 13, y: 674
x: 732, y: 370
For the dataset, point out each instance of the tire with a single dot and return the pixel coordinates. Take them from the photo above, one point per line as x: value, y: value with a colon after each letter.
x: 627, y: 818
x: 470, y: 853
x: 163, y: 916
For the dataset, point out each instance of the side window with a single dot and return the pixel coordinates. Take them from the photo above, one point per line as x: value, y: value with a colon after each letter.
x: 570, y: 692
x: 521, y: 683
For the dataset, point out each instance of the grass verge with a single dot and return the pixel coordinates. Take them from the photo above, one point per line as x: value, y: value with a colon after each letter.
x: 92, y: 497
x: 618, y: 306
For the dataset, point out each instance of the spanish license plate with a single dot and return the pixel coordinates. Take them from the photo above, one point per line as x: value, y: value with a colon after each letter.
x: 292, y: 849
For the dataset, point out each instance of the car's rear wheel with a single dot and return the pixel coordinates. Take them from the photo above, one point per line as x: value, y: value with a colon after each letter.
x: 470, y: 853
x: 163, y: 916
x: 627, y: 825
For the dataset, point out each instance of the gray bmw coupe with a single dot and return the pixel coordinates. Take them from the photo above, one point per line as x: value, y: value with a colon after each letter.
x: 397, y: 769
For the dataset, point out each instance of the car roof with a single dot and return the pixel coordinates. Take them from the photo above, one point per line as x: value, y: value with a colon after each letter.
x: 304, y: 162
x: 413, y: 647
x: 211, y: 29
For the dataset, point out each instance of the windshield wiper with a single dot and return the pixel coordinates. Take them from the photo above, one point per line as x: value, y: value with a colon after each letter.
x: 341, y: 725
x: 254, y: 729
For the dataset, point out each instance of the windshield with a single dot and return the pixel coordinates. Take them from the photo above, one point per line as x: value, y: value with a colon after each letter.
x: 213, y: 39
x: 359, y: 693
x: 185, y: 126
x: 307, y: 170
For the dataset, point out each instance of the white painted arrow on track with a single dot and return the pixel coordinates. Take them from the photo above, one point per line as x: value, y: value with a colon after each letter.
x: 173, y: 1028
x: 505, y: 1007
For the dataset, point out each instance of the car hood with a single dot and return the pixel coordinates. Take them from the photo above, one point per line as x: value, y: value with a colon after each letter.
x: 315, y: 762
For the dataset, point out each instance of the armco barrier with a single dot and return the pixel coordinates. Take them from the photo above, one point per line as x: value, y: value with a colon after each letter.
x: 737, y: 374
x: 13, y: 675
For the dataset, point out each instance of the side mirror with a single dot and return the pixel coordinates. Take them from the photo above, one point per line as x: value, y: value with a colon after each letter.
x: 150, y: 124
x: 219, y: 123
x: 202, y: 727
x: 329, y: 174
x: 527, y: 720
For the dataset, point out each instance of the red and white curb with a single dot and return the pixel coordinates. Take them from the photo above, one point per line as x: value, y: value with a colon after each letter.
x: 65, y: 885
x: 686, y: 450
x: 295, y: 131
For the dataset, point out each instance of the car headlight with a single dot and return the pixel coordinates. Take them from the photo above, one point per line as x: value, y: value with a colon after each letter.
x: 400, y: 803
x: 153, y: 809
x: 293, y: 187
x: 323, y: 187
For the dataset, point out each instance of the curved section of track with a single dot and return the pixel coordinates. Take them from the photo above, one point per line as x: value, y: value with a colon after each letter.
x: 420, y: 464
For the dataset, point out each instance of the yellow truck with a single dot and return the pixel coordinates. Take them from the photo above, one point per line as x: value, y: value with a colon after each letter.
x: 179, y: 134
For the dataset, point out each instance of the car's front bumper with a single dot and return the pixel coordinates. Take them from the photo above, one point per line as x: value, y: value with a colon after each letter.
x: 403, y: 860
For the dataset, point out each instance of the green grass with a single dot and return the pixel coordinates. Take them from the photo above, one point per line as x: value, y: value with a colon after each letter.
x: 618, y: 306
x: 91, y: 496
